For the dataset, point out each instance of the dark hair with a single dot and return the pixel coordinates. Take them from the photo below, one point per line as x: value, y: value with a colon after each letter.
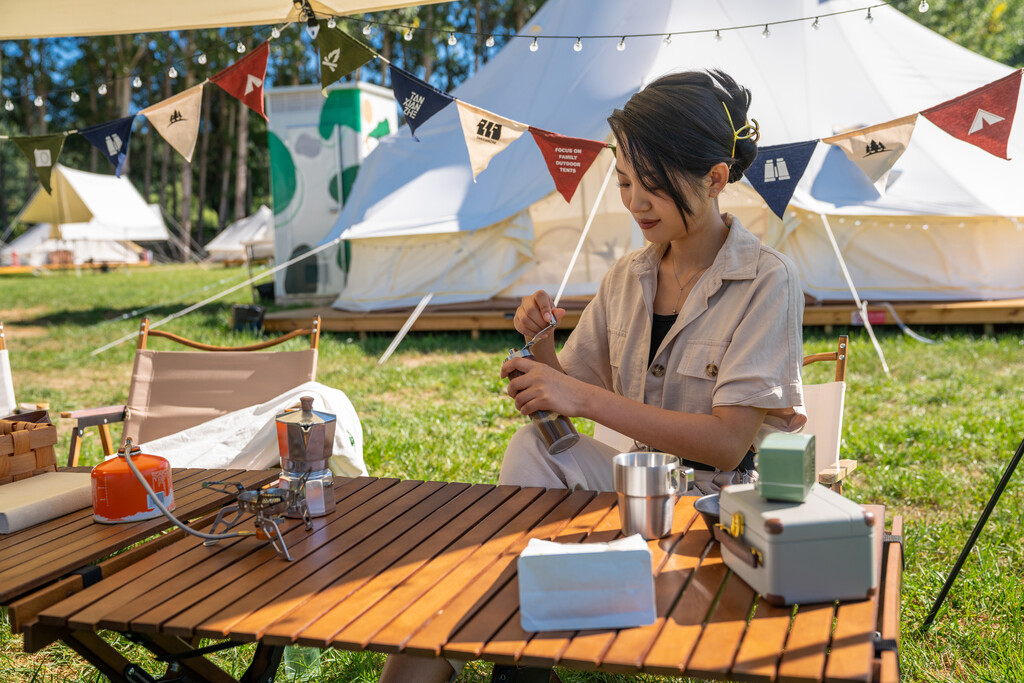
x: 676, y: 129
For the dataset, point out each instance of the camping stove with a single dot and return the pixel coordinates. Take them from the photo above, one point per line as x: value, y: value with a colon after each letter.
x: 268, y: 508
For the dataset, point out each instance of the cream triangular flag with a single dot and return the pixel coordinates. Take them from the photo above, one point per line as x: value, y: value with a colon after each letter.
x: 177, y: 119
x: 876, y: 148
x: 486, y: 134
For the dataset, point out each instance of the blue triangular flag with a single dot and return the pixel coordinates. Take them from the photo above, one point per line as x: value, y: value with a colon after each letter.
x: 777, y: 170
x: 111, y: 138
x: 418, y: 100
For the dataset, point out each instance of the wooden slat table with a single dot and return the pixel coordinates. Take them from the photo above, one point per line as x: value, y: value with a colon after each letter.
x: 429, y: 568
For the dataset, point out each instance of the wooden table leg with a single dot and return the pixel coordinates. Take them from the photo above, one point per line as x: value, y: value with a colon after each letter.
x: 264, y: 664
x: 200, y: 667
x: 99, y: 653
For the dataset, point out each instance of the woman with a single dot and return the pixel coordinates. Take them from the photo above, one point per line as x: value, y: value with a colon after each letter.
x: 693, y: 344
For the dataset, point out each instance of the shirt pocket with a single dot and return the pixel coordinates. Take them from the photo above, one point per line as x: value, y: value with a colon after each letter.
x: 698, y: 372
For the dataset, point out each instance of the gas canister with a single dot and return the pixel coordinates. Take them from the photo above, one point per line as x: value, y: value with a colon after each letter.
x: 117, y: 495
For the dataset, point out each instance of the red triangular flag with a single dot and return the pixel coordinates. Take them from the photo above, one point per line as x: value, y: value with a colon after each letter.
x: 982, y: 117
x: 567, y: 158
x: 244, y: 79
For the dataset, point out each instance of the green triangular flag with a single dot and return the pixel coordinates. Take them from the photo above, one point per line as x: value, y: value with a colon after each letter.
x: 42, y: 152
x: 340, y: 55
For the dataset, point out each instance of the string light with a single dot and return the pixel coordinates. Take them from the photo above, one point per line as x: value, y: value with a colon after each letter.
x: 718, y: 36
x: 75, y: 97
x: 816, y: 25
x: 201, y: 58
x: 275, y: 33
x: 534, y: 46
x: 38, y: 101
x: 923, y: 7
x: 668, y: 39
x: 578, y: 46
x: 366, y: 29
x: 869, y: 18
x: 240, y: 47
x: 332, y: 22
x: 312, y: 28
x: 766, y: 33
x: 172, y: 72
x: 102, y: 89
x: 489, y: 42
x: 136, y: 82
x: 622, y: 44
x: 8, y: 105
x: 452, y: 40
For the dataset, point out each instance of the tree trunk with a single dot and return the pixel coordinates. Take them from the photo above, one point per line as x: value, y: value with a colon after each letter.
x: 478, y: 14
x: 204, y: 146
x: 428, y: 51
x: 225, y: 177
x: 147, y: 169
x: 186, y: 174
x: 241, y: 161
x: 165, y: 161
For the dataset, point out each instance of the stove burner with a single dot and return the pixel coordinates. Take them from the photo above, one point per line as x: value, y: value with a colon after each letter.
x: 268, y: 507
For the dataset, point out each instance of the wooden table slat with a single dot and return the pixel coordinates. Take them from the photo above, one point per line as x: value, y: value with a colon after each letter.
x: 807, y: 645
x: 761, y: 649
x: 720, y: 640
x: 889, y: 619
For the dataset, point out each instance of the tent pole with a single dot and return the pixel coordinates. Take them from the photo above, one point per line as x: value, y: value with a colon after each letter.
x: 405, y: 328
x: 583, y: 235
x: 861, y: 305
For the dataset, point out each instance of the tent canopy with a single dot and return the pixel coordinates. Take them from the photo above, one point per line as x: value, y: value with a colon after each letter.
x: 806, y: 85
x: 252, y: 235
x: 93, y: 206
x: 107, y: 17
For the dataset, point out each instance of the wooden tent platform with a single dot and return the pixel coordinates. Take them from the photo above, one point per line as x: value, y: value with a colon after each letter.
x: 497, y: 315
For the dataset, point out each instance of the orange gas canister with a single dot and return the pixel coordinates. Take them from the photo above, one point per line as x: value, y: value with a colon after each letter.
x: 117, y: 495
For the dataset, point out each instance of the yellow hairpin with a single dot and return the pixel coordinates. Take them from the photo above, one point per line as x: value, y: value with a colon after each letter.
x: 751, y: 128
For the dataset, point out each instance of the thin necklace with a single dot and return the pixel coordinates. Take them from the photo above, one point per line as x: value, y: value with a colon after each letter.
x: 684, y: 285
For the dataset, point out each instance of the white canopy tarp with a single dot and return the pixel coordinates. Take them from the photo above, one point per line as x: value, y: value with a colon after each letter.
x: 94, y: 206
x: 249, y: 237
x: 947, y: 227
x: 107, y: 17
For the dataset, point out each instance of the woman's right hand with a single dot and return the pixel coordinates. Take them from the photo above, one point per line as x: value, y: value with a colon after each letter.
x: 535, y: 313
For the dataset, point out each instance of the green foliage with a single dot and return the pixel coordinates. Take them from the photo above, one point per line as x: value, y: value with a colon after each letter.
x: 931, y: 441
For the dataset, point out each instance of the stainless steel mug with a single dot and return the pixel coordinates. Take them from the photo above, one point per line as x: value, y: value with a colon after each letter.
x: 647, y: 485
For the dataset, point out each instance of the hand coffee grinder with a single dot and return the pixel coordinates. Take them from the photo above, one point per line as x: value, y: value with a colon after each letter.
x: 305, y: 440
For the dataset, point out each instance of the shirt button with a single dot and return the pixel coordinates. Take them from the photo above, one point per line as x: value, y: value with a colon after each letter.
x: 658, y: 370
x: 711, y: 370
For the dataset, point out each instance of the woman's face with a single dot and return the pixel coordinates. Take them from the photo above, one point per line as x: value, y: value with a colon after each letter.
x: 657, y: 215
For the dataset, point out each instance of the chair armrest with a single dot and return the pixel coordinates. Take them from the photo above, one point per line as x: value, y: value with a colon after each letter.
x: 92, y: 417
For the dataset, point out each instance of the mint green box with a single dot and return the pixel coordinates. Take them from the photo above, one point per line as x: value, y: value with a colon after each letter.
x: 785, y: 465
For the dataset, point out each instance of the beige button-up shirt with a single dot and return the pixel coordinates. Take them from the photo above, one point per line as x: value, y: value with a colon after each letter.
x: 738, y: 339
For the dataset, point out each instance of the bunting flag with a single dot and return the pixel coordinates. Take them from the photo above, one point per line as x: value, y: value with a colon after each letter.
x: 177, y: 119
x: 42, y: 152
x: 982, y: 117
x: 876, y: 148
x: 776, y: 171
x: 340, y: 55
x: 244, y: 79
x: 486, y: 134
x: 418, y: 99
x: 111, y: 138
x: 567, y: 158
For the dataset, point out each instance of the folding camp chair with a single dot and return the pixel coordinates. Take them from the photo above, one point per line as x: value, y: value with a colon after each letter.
x: 174, y: 390
x: 824, y: 406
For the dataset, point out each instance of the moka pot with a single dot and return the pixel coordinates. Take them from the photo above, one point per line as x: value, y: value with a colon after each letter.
x: 305, y: 440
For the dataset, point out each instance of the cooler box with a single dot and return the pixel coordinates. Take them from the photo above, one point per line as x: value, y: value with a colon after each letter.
x: 820, y: 550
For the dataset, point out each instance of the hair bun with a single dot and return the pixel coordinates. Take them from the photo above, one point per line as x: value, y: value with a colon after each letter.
x: 746, y: 152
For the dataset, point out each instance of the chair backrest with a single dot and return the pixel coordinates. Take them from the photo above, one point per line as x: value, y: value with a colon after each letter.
x: 7, y: 404
x: 824, y: 406
x: 175, y: 390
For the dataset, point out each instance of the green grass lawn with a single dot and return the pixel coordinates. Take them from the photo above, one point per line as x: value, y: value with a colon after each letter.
x: 931, y: 441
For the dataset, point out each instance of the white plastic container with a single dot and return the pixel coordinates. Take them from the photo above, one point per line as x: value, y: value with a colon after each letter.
x: 820, y: 550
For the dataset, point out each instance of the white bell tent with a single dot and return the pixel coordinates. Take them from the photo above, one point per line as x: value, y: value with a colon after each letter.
x: 946, y: 229
x: 251, y: 237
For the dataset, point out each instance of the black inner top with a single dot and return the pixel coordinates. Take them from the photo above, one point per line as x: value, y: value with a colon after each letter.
x: 662, y: 324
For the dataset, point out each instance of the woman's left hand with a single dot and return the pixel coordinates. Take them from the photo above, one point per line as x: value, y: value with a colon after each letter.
x: 541, y: 387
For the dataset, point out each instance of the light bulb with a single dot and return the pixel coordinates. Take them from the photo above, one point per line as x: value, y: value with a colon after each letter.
x: 75, y: 97
x: 816, y: 25
x: 718, y: 36
x: 136, y: 82
x: 332, y: 22
x: 452, y: 40
x: 923, y: 7
x: 275, y: 33
x: 622, y: 44
x: 489, y: 42
x: 408, y: 34
x: 668, y: 39
x: 766, y: 33
x: 869, y: 18
x: 578, y: 46
x: 366, y: 29
x: 172, y: 72
x: 240, y: 47
x: 8, y: 105
x: 102, y: 89
x: 534, y: 46
x: 201, y: 58
x: 38, y: 101
x: 312, y: 28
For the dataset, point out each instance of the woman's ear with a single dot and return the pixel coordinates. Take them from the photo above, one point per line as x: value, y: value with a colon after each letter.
x: 719, y: 175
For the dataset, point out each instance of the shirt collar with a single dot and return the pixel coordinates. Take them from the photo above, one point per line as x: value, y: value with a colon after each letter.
x: 736, y: 260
